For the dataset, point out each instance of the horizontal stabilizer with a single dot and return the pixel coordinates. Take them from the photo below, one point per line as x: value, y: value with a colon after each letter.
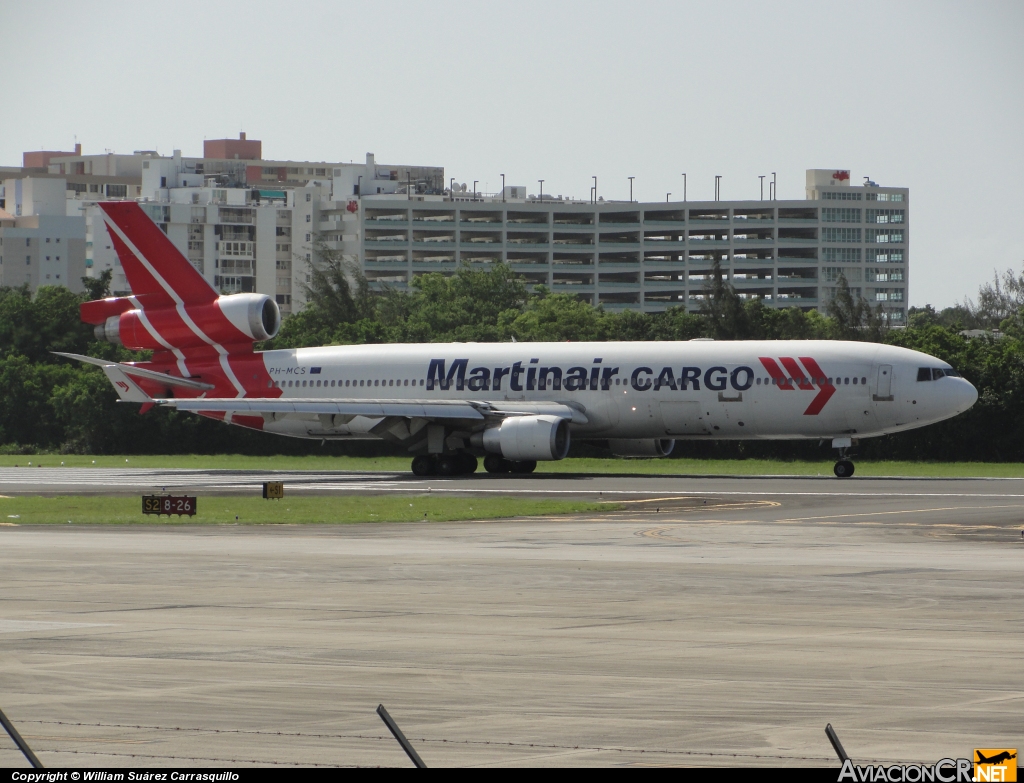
x: 126, y: 388
x: 140, y: 372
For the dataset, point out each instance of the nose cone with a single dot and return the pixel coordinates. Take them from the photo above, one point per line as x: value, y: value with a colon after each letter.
x: 967, y: 395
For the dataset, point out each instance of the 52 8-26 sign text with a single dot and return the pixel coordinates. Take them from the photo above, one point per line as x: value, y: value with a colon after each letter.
x: 169, y: 504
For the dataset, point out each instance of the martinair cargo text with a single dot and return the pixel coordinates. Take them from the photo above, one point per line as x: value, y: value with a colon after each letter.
x: 511, y: 403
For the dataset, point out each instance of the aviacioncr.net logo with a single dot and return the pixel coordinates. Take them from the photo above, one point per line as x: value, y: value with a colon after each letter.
x: 942, y: 771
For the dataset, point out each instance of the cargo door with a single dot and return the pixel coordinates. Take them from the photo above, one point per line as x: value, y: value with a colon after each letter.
x: 883, y: 390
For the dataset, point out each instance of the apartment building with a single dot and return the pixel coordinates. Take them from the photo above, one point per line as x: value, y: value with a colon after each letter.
x: 39, y: 244
x: 251, y: 230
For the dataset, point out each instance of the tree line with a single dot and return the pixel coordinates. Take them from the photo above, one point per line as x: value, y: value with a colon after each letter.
x: 50, y: 404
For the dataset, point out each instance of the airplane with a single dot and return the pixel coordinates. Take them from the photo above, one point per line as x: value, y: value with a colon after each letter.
x: 1004, y: 756
x: 513, y: 404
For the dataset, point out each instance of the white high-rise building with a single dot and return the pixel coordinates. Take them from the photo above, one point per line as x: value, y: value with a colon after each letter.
x: 39, y: 244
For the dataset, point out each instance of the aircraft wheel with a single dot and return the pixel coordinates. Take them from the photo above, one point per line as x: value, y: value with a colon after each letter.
x: 843, y: 468
x: 467, y: 464
x: 448, y: 465
x: 495, y: 464
x: 524, y: 466
x: 423, y: 466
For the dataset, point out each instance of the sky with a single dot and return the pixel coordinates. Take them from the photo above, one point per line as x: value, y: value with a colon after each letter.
x: 926, y: 95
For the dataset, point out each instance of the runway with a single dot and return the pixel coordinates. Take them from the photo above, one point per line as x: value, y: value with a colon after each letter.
x: 710, y: 621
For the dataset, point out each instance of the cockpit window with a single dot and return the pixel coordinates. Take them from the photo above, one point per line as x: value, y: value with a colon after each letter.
x: 934, y: 373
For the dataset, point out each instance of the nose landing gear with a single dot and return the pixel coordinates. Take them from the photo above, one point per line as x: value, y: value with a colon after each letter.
x: 843, y: 467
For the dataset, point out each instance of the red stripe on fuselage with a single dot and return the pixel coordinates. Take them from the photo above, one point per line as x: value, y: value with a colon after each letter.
x: 773, y: 370
x: 252, y: 422
x: 252, y: 373
x: 797, y: 372
x: 827, y: 389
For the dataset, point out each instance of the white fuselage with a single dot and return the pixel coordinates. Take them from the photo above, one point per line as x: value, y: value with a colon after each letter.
x: 696, y: 389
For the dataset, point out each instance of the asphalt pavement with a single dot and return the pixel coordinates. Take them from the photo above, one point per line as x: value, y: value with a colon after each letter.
x: 717, y: 621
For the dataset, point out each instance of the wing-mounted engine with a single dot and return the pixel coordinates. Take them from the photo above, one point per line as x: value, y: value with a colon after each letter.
x: 524, y: 438
x: 656, y: 447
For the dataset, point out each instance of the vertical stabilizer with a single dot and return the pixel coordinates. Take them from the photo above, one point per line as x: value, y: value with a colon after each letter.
x: 155, y: 268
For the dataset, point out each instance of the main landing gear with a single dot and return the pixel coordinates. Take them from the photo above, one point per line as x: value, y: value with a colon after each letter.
x: 844, y: 467
x: 462, y: 464
x: 495, y: 464
x: 444, y: 464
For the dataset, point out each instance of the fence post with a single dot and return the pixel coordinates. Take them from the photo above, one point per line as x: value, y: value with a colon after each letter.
x: 836, y: 744
x: 406, y: 746
x: 19, y: 741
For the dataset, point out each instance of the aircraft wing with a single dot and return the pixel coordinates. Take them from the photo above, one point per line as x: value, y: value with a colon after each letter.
x: 421, y: 409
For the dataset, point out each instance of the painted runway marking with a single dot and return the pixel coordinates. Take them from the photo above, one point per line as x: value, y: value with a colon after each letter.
x: 888, y: 513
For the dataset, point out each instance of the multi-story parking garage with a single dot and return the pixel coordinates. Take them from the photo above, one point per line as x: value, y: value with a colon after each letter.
x: 651, y: 256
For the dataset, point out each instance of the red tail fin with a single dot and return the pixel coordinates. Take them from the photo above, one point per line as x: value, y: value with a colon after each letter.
x: 155, y: 269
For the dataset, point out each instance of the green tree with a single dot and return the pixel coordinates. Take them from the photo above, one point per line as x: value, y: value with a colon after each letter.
x: 465, y: 307
x: 723, y: 308
x: 551, y: 318
x: 845, y: 311
x: 98, y: 287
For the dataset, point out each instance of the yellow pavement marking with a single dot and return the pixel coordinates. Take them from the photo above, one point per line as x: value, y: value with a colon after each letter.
x: 889, y: 513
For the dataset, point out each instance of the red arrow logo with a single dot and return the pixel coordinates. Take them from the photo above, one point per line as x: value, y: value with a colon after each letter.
x: 803, y: 381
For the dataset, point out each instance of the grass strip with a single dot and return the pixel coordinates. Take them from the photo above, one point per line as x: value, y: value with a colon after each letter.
x: 735, y: 467
x: 299, y: 510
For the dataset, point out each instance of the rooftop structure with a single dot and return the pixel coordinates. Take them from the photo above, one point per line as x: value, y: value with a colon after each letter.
x: 234, y: 149
x: 41, y: 159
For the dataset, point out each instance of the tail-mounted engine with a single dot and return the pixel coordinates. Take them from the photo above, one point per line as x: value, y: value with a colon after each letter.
x: 227, y: 320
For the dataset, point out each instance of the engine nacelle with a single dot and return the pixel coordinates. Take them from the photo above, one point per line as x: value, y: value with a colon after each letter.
x: 528, y: 438
x: 656, y: 447
x: 255, y: 315
x: 229, y: 319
